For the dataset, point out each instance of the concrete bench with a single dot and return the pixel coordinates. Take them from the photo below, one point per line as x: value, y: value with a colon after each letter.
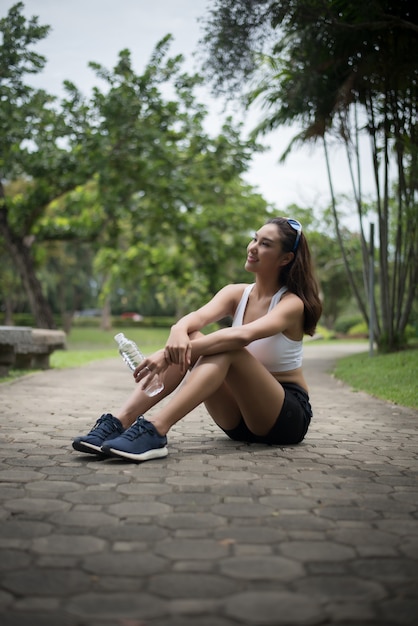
x: 28, y: 348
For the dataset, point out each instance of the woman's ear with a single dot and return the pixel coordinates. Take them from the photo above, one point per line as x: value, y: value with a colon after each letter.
x: 287, y: 258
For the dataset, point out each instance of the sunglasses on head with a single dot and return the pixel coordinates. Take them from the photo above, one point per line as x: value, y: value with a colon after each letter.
x: 297, y: 226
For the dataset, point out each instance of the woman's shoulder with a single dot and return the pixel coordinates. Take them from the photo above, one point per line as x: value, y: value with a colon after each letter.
x: 233, y: 292
x: 287, y: 293
x: 237, y: 289
x: 289, y: 298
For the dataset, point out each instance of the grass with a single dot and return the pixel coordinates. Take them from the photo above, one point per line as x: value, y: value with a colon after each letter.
x: 148, y: 339
x: 391, y: 377
x: 92, y: 344
x: 86, y: 345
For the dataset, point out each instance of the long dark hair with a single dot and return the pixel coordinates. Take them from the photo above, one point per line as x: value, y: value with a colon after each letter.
x: 299, y: 275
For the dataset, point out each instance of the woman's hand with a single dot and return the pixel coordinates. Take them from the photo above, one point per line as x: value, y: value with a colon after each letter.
x: 150, y: 367
x: 178, y: 349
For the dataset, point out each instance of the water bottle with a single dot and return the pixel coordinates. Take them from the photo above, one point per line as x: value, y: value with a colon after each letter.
x: 133, y: 356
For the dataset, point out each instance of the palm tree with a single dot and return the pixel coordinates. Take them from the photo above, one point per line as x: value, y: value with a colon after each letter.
x: 341, y: 69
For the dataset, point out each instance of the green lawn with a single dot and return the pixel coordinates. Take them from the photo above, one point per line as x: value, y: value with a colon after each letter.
x: 148, y: 339
x: 391, y: 377
x: 91, y: 344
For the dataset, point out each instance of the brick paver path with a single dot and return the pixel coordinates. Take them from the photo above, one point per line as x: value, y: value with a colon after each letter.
x: 216, y: 534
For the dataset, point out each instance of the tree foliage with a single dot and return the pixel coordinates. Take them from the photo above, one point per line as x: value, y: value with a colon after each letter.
x: 341, y: 69
x: 38, y: 147
x: 128, y: 171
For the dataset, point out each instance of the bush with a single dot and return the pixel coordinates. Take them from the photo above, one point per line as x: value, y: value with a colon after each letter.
x: 27, y: 320
x: 323, y: 333
x: 119, y: 322
x: 86, y: 322
x: 345, y: 322
x: 359, y: 330
x: 411, y: 332
x: 22, y: 319
x: 155, y: 322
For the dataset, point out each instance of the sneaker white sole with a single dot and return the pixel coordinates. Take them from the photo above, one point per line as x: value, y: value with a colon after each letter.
x: 155, y: 453
x: 92, y: 449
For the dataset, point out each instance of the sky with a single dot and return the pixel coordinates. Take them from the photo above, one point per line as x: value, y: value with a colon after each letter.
x: 97, y: 30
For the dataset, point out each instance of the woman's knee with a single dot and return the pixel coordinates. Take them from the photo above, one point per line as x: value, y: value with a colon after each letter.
x: 229, y: 356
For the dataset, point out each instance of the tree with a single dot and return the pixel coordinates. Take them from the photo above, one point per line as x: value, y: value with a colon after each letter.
x: 38, y: 146
x: 173, y: 199
x: 340, y: 69
x: 128, y: 170
x: 335, y: 286
x: 166, y: 211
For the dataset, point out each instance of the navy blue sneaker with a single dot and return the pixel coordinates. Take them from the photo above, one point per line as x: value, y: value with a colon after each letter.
x: 106, y: 428
x: 140, y: 442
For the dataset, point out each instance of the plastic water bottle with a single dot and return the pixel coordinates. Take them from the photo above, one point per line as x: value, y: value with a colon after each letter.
x: 133, y: 356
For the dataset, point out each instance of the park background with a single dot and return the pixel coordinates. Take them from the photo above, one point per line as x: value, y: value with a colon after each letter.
x: 134, y: 190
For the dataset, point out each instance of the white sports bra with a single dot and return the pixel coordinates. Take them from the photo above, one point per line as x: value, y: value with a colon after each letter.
x: 277, y: 353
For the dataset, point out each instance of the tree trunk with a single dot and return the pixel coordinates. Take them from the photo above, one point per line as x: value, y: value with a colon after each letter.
x: 106, y: 321
x: 360, y: 302
x: 22, y: 260
x: 8, y: 311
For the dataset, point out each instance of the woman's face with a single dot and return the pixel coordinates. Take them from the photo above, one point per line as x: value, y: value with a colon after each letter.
x: 264, y: 252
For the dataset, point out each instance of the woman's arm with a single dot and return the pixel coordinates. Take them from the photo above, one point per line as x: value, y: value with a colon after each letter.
x: 178, y: 346
x: 286, y: 315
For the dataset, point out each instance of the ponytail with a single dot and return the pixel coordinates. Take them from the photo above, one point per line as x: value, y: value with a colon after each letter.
x: 298, y: 275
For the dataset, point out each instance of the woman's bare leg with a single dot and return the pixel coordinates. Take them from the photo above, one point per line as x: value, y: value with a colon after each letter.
x: 139, y: 402
x: 258, y: 395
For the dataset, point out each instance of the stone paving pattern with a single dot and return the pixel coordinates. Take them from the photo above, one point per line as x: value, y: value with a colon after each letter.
x: 218, y: 533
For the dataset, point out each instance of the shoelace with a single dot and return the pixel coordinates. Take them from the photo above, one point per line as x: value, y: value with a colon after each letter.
x: 137, y: 430
x: 105, y: 425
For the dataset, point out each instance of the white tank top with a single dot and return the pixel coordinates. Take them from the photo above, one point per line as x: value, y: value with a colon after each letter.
x: 277, y: 353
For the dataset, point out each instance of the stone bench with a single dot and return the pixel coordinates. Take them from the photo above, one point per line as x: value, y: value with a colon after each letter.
x: 28, y: 348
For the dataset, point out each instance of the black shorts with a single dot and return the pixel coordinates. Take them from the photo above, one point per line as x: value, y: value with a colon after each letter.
x: 291, y: 426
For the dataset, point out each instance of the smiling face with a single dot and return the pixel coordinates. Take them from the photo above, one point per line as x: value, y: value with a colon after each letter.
x: 264, y: 252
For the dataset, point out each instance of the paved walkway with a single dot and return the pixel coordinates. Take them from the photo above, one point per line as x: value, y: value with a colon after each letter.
x: 216, y: 534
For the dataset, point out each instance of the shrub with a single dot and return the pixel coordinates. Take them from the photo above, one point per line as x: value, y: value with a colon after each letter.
x: 359, y: 330
x: 345, y: 322
x: 323, y: 333
x: 23, y: 319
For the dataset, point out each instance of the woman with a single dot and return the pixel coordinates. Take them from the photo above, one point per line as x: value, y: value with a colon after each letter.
x: 249, y: 375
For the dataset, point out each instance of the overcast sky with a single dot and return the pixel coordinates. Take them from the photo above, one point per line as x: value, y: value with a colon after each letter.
x: 97, y: 30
